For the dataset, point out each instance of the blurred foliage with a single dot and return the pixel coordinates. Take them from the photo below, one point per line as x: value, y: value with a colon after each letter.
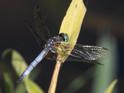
x: 27, y: 85
x: 111, y: 87
x: 79, y: 81
x: 108, y: 72
x: 9, y: 87
x: 18, y: 64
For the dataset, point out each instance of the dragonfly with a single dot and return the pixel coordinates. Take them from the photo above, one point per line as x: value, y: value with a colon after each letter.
x: 84, y: 53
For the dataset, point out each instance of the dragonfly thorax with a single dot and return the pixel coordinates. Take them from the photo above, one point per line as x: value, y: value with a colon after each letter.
x: 56, y: 40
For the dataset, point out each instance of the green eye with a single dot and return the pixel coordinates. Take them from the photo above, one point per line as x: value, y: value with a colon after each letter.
x: 64, y: 37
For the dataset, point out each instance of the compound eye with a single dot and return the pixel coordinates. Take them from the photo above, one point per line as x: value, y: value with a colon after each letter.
x: 64, y: 37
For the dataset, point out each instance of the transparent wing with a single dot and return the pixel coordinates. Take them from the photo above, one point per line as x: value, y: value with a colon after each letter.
x: 87, y: 53
x: 84, y: 53
x: 39, y: 29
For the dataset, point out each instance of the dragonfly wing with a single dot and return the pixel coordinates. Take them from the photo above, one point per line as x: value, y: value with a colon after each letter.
x: 52, y: 56
x: 88, y: 53
x: 39, y: 29
x: 38, y: 39
x: 83, y: 53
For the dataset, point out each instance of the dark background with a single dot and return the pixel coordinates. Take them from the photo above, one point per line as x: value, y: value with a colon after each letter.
x: 100, y: 14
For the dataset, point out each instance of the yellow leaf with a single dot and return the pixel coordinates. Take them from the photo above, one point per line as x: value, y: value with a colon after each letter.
x: 20, y: 65
x: 72, y: 21
x: 18, y: 62
x: 32, y: 87
x: 111, y: 86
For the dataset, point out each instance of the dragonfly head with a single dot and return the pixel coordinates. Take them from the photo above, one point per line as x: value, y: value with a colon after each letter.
x: 64, y: 37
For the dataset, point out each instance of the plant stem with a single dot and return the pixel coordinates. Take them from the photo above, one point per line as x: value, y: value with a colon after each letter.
x: 54, y: 79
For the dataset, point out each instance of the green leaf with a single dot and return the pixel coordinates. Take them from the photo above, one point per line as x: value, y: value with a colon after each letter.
x: 35, y: 72
x: 18, y: 62
x: 20, y: 65
x: 79, y: 81
x: 9, y: 87
x: 20, y: 88
x: 6, y: 71
x: 32, y: 87
x: 111, y: 87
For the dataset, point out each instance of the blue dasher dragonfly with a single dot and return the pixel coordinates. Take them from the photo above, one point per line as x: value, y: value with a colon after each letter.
x: 84, y: 53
